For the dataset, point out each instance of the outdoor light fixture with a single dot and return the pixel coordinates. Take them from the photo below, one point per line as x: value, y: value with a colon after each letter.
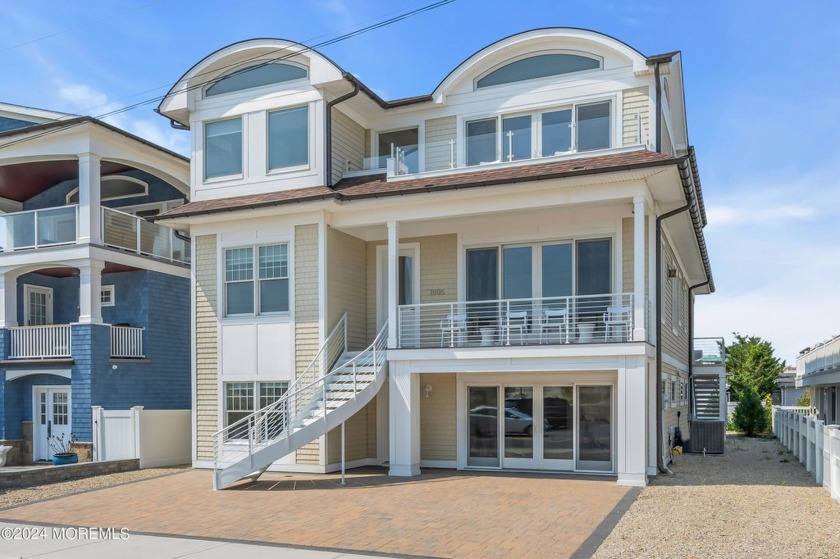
x: 114, y: 367
x: 672, y: 272
x: 428, y: 390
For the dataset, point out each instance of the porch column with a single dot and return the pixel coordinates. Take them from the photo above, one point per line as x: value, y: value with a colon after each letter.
x: 393, y: 281
x: 89, y: 226
x: 8, y: 300
x: 90, y: 289
x: 632, y: 404
x: 404, y: 415
x: 639, y: 302
x: 651, y: 290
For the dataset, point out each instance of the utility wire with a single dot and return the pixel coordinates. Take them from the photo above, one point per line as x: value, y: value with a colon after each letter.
x: 338, y: 39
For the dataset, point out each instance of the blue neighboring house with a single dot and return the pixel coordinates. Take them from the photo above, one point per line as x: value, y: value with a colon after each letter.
x: 94, y: 298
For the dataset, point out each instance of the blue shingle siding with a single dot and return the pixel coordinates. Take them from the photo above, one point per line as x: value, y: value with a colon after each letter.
x: 7, y: 124
x: 17, y: 401
x: 159, y: 191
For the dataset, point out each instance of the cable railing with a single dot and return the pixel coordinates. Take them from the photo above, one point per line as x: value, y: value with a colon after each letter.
x: 709, y: 351
x: 504, y: 322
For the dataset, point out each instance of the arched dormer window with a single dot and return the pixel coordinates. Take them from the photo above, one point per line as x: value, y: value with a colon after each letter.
x: 257, y: 76
x: 540, y: 66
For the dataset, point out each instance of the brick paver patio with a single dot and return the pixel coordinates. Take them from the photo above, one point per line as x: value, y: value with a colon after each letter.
x: 443, y: 513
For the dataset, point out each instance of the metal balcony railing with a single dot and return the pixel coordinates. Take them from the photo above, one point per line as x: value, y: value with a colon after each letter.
x: 709, y: 351
x: 506, y: 322
x: 39, y: 228
x: 822, y: 357
x: 130, y: 232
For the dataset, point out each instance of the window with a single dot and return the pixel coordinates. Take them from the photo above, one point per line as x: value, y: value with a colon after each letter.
x: 539, y: 66
x: 114, y: 187
x: 674, y: 401
x: 244, y: 398
x: 256, y: 76
x: 223, y: 148
x: 583, y: 127
x: 406, y: 142
x: 106, y: 296
x: 288, y: 138
x: 267, y: 291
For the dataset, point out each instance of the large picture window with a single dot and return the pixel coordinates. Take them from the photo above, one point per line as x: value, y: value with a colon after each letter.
x: 223, y: 148
x: 288, y: 138
x: 263, y: 292
x: 244, y: 398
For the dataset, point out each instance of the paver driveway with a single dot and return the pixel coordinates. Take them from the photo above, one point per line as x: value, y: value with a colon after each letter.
x: 441, y: 513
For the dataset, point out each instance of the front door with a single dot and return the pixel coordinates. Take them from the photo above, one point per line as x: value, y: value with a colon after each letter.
x: 408, y: 269
x: 51, y: 419
x: 38, y: 309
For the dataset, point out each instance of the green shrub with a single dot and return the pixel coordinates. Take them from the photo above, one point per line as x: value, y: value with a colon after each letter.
x: 750, y: 416
x: 805, y: 399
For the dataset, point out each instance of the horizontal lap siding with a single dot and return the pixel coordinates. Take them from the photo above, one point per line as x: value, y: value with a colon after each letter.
x: 348, y: 143
x: 206, y: 346
x: 307, y: 332
x: 635, y: 101
x: 347, y: 286
x: 438, y: 133
x: 356, y: 436
x: 438, y: 436
x: 670, y: 418
x: 675, y: 345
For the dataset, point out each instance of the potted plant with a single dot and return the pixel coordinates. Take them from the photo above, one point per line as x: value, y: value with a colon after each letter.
x: 62, y: 450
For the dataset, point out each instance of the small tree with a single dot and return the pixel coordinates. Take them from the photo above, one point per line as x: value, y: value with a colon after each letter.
x: 751, y: 365
x: 805, y: 399
x: 750, y: 415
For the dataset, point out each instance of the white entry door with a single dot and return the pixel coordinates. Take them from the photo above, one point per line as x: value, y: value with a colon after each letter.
x: 409, y: 291
x: 52, y: 418
x: 39, y: 308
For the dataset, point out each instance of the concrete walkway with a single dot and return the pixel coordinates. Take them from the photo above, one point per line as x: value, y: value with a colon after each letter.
x: 442, y: 513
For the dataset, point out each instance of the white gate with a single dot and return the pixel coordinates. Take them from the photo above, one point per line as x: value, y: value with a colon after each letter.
x: 114, y: 434
x: 156, y: 437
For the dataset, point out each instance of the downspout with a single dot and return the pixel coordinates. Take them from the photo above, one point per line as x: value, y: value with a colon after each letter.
x: 691, y: 410
x: 328, y: 126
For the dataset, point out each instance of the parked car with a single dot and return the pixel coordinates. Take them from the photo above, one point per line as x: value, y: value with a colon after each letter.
x: 483, y: 420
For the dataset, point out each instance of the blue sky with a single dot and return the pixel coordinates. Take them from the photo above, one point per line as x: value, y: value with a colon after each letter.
x: 762, y: 94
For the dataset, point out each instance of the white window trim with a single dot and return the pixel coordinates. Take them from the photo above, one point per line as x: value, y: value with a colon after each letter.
x: 255, y: 247
x: 271, y: 171
x: 552, y: 77
x: 248, y: 64
x: 111, y: 290
x: 142, y: 183
x: 255, y: 385
x: 243, y: 132
x: 29, y: 288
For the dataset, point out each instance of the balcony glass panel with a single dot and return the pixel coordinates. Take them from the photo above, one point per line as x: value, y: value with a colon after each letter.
x: 556, y: 132
x: 593, y: 126
x: 481, y: 141
x: 406, y: 142
x: 516, y: 138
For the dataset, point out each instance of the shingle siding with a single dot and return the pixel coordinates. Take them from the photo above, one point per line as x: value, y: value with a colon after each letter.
x: 675, y: 345
x: 206, y: 350
x: 635, y: 102
x: 307, y: 331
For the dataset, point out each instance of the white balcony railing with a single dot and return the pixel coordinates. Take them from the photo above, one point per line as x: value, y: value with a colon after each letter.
x: 548, y: 320
x: 130, y: 232
x: 823, y: 357
x: 127, y: 342
x: 51, y: 341
x: 39, y: 228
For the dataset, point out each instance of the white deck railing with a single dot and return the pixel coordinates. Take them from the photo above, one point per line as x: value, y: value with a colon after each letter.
x: 815, y: 444
x: 39, y: 228
x: 823, y: 357
x: 127, y: 342
x: 130, y: 232
x: 504, y: 322
x: 40, y: 342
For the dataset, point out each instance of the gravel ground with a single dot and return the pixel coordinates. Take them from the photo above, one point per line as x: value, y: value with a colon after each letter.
x: 756, y: 500
x: 23, y: 495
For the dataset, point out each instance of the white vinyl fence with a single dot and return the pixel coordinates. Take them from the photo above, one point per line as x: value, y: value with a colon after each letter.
x: 814, y: 444
x: 156, y: 437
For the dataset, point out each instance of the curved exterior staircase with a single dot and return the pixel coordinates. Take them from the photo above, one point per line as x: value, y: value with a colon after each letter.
x: 335, y: 386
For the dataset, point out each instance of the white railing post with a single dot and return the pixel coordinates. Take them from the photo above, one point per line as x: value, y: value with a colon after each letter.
x: 819, y: 428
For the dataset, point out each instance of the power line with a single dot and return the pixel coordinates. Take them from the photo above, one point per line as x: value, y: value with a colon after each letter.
x: 338, y: 39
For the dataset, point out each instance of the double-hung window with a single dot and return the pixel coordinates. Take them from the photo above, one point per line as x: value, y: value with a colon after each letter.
x: 576, y: 128
x: 244, y: 398
x: 223, y: 148
x: 257, y: 280
x: 288, y: 138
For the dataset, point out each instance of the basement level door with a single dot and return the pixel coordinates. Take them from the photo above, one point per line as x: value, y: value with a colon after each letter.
x: 52, y: 418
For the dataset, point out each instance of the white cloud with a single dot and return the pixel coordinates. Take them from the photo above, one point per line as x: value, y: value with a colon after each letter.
x: 721, y: 216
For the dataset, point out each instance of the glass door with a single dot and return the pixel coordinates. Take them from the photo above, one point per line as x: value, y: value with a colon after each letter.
x: 38, y: 310
x: 522, y: 426
x: 594, y: 441
x: 483, y: 402
x: 52, y: 419
x: 558, y: 405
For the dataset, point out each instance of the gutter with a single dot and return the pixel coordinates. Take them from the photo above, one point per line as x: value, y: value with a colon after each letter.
x: 328, y: 127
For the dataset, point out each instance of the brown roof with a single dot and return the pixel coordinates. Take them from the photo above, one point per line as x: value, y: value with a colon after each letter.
x: 374, y: 186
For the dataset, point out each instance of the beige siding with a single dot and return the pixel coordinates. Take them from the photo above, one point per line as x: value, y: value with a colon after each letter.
x: 438, y: 436
x: 206, y: 346
x: 627, y: 268
x: 356, y: 437
x: 635, y: 101
x: 670, y: 418
x: 367, y: 142
x: 307, y: 333
x: 675, y: 345
x: 347, y: 285
x: 438, y: 133
x: 438, y: 272
x: 348, y: 144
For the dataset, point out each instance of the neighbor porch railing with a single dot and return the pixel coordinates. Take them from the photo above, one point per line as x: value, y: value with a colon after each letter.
x: 709, y: 351
x: 815, y: 444
x: 39, y: 228
x: 127, y: 342
x: 130, y: 232
x: 506, y: 322
x: 823, y: 357
x: 51, y: 341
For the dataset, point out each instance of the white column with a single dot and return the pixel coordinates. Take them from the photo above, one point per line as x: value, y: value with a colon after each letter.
x: 90, y: 228
x: 90, y: 288
x: 393, y: 280
x: 651, y: 436
x: 651, y: 250
x: 8, y: 300
x: 632, y: 405
x: 639, y: 268
x: 404, y: 434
